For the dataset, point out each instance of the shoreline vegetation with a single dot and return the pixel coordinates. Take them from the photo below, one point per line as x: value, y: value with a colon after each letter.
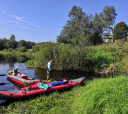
x: 26, y: 52
x: 109, y: 59
x: 98, y: 96
x: 102, y: 59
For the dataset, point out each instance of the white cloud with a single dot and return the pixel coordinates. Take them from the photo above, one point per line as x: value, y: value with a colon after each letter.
x: 17, y: 17
x: 20, y: 22
x: 27, y: 24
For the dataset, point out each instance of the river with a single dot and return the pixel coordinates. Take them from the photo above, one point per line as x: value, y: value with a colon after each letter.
x: 8, y: 62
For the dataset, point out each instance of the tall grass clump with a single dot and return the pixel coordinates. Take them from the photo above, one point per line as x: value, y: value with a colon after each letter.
x: 101, y: 57
x: 65, y: 57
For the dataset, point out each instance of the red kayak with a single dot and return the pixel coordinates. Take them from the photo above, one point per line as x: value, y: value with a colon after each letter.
x: 37, y: 90
x: 22, y: 81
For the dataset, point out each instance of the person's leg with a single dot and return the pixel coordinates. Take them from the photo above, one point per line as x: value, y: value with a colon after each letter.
x: 47, y: 77
x: 48, y: 73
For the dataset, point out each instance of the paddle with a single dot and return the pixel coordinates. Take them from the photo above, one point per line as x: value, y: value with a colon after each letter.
x: 4, y: 83
x: 2, y: 74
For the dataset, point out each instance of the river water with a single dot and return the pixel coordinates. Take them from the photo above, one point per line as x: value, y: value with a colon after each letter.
x: 8, y: 62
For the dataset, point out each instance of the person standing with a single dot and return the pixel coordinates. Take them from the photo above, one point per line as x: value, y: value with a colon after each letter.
x: 49, y: 68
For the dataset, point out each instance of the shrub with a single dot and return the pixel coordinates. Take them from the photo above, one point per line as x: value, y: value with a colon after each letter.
x: 10, y: 50
x: 22, y: 49
x: 101, y: 57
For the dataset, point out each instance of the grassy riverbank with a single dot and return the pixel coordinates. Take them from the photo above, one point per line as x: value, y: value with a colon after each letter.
x: 106, y: 96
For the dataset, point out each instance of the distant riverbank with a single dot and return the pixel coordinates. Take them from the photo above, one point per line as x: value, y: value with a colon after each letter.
x: 27, y: 53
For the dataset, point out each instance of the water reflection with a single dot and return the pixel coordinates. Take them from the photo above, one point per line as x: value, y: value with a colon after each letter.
x: 59, y: 75
x: 12, y: 59
x: 8, y: 62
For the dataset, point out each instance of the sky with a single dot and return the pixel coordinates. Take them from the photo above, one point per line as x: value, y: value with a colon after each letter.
x: 42, y: 20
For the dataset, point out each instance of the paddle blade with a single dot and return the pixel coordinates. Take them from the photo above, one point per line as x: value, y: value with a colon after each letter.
x: 3, y: 83
x: 2, y: 74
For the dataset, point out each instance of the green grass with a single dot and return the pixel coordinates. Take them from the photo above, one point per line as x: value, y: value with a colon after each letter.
x: 100, y: 96
x: 103, y: 96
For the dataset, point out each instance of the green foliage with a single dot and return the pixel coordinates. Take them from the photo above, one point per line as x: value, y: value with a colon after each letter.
x: 6, y: 44
x: 101, y: 57
x: 44, y: 55
x: 5, y: 50
x: 12, y: 38
x: 65, y: 56
x: 29, y: 44
x: 120, y: 31
x: 22, y: 49
x: 74, y: 26
x: 108, y: 15
x: 1, y: 44
x: 10, y: 50
x: 36, y: 48
x: 30, y: 63
x: 82, y: 58
x: 21, y: 43
x: 81, y: 24
x: 82, y: 41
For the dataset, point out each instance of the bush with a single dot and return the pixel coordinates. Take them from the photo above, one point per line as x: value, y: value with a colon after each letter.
x: 22, y: 49
x: 10, y: 50
x: 30, y: 63
x: 65, y: 57
x: 101, y: 57
x: 36, y: 48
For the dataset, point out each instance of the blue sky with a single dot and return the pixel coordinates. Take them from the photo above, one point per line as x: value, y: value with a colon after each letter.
x: 43, y: 20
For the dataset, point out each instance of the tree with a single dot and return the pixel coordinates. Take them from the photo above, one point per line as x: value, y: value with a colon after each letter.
x: 9, y: 44
x: 12, y: 37
x: 102, y: 23
x: 97, y: 30
x: 1, y: 44
x: 13, y: 44
x: 120, y: 31
x: 81, y: 24
x: 108, y: 16
x: 73, y: 27
x: 29, y: 44
x: 21, y: 43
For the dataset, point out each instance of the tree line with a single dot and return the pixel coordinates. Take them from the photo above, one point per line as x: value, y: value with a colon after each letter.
x: 13, y: 44
x: 83, y: 29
